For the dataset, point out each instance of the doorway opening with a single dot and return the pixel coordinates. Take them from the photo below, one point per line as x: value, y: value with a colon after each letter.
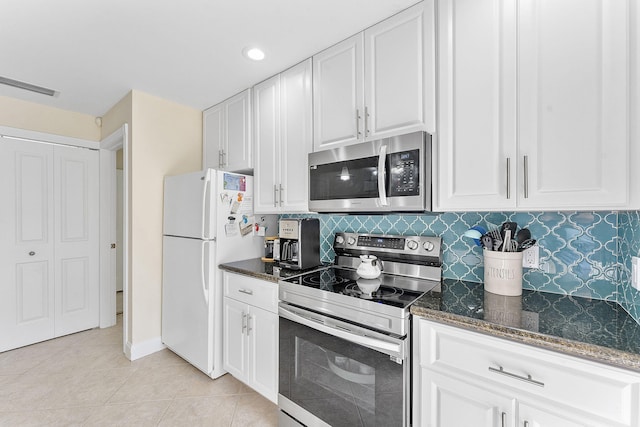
x: 114, y: 235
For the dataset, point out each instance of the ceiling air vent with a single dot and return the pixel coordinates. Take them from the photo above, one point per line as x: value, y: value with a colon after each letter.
x: 27, y: 86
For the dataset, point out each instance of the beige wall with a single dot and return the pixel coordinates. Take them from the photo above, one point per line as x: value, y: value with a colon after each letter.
x: 36, y: 117
x: 166, y: 139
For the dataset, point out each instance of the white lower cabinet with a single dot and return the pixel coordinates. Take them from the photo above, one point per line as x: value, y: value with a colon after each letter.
x: 464, y: 378
x: 250, y: 323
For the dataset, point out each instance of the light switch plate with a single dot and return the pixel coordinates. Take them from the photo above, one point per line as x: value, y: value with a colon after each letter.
x: 531, y: 257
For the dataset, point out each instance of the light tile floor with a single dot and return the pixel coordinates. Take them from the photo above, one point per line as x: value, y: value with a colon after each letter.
x: 84, y: 379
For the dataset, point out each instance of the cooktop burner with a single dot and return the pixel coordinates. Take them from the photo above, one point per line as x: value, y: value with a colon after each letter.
x: 393, y: 290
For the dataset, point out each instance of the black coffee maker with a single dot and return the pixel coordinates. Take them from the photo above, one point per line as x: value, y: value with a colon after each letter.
x: 299, y: 243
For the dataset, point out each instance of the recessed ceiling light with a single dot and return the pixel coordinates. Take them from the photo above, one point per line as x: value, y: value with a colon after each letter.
x: 253, y: 53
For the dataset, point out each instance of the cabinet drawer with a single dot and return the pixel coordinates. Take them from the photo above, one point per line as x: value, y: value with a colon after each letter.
x: 561, y: 380
x: 256, y: 292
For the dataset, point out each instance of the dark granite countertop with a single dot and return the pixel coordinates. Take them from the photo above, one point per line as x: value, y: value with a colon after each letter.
x: 593, y: 329
x: 270, y: 271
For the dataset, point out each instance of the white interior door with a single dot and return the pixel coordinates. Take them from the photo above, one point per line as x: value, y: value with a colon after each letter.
x: 77, y: 281
x: 26, y: 243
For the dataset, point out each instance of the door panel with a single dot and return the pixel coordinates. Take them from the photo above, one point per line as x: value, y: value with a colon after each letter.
x: 338, y: 94
x: 235, y: 342
x: 77, y: 286
x: 237, y: 151
x: 263, y: 347
x: 26, y: 243
x: 476, y: 121
x: 575, y: 108
x: 186, y: 318
x: 267, y: 122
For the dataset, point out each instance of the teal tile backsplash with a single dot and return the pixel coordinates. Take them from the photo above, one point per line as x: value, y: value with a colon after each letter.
x: 586, y: 254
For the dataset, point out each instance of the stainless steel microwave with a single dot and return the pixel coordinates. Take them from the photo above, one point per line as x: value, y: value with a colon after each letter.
x: 386, y: 175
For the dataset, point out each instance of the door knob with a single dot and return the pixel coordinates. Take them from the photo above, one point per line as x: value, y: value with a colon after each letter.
x: 32, y: 253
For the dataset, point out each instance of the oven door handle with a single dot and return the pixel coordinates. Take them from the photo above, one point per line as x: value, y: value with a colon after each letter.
x: 392, y: 349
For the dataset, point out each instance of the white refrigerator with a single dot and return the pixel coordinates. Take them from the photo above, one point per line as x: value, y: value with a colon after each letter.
x: 208, y: 220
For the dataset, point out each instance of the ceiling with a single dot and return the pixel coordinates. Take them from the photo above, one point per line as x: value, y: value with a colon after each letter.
x: 93, y: 52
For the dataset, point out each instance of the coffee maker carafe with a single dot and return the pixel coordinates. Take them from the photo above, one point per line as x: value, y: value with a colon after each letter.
x: 299, y: 243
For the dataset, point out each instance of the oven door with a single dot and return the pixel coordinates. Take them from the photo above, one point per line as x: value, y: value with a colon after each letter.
x: 338, y: 374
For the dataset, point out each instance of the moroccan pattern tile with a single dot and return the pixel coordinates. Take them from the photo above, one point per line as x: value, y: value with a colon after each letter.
x: 629, y: 236
x: 586, y: 254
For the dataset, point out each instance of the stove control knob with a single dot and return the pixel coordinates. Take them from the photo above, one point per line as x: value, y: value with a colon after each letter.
x: 351, y: 241
x: 339, y: 239
x: 428, y: 246
x: 412, y: 244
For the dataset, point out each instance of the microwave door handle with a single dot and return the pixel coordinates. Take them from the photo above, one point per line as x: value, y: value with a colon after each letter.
x: 382, y: 168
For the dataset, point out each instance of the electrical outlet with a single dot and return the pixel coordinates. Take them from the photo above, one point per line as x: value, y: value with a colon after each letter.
x: 531, y: 257
x: 635, y: 272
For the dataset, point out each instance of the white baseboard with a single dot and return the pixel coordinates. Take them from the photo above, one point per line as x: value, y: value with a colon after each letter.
x: 145, y: 348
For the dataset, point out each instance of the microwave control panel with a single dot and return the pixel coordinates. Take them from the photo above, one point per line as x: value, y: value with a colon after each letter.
x: 404, y: 173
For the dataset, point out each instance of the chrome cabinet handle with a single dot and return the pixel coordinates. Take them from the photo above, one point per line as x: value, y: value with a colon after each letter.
x: 32, y: 253
x: 275, y: 196
x: 526, y: 177
x: 527, y: 379
x: 249, y: 328
x: 358, y: 123
x: 366, y: 121
x: 526, y: 424
x: 244, y: 322
x: 503, y: 419
x: 246, y: 291
x: 219, y: 157
x: 281, y: 191
x: 508, y: 177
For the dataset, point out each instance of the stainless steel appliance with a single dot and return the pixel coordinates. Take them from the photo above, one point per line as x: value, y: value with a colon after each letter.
x: 345, y: 349
x: 391, y: 174
x: 299, y: 243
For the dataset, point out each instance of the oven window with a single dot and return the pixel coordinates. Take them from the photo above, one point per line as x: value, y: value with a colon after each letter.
x: 342, y: 383
x: 353, y: 179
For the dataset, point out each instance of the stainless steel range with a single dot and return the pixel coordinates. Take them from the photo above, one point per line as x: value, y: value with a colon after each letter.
x: 345, y: 334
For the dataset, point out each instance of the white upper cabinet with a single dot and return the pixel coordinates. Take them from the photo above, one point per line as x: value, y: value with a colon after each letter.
x: 227, y: 143
x: 572, y: 103
x: 283, y: 136
x: 377, y: 83
x: 476, y: 122
x: 533, y: 104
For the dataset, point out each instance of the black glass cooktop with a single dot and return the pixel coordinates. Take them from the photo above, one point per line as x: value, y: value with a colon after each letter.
x: 391, y: 290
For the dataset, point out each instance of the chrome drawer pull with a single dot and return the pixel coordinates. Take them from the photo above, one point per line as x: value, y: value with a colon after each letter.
x: 527, y: 379
x: 245, y: 291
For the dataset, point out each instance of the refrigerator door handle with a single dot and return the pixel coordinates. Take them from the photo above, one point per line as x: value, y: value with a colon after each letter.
x: 205, y: 189
x: 204, y: 276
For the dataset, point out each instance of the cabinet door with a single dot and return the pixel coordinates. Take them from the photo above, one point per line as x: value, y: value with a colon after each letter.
x: 476, y: 144
x: 77, y: 281
x: 212, y: 136
x: 234, y: 350
x: 399, y: 73
x: 530, y: 416
x: 263, y: 348
x: 338, y: 98
x: 237, y: 149
x: 296, y: 137
x: 447, y: 402
x: 267, y: 137
x: 572, y: 103
x: 26, y: 243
